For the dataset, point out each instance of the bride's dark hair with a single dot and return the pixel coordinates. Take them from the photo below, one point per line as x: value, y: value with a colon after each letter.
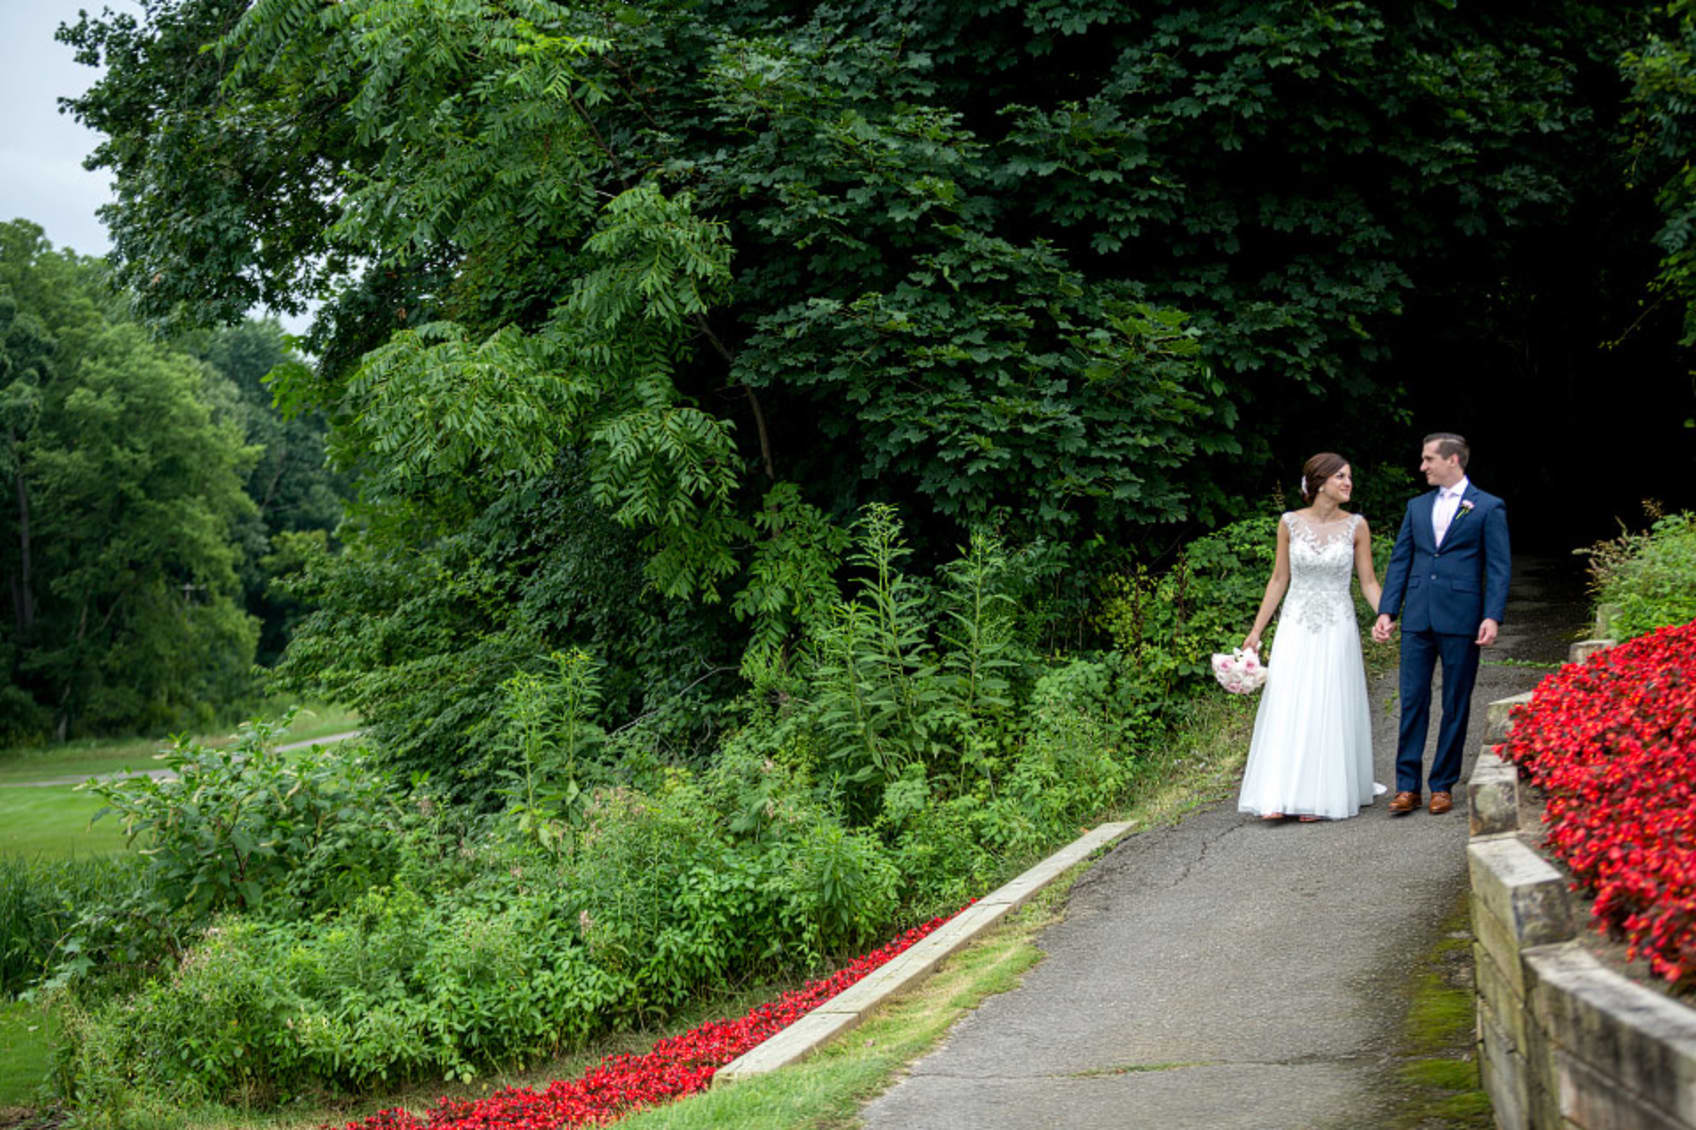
x: 1316, y: 470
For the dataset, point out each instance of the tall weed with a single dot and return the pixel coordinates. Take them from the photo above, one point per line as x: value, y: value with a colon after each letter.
x: 41, y: 900
x: 908, y: 681
x: 552, y: 741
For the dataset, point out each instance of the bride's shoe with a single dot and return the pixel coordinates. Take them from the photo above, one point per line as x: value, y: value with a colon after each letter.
x: 1272, y: 816
x: 1311, y: 819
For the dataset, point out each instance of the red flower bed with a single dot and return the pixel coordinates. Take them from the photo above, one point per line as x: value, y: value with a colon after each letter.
x: 1612, y: 743
x: 620, y: 1084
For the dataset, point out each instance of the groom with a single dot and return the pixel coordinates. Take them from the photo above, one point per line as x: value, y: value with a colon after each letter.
x: 1448, y: 578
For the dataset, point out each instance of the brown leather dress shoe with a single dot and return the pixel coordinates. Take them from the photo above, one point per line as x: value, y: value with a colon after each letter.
x: 1441, y: 803
x: 1404, y: 803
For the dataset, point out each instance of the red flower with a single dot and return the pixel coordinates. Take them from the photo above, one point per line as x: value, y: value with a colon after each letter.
x: 1612, y: 743
x: 620, y: 1084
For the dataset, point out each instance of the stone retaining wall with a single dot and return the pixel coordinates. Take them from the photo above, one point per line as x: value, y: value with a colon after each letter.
x: 1563, y: 1041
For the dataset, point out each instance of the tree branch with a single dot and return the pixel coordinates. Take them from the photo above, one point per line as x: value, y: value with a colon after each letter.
x: 753, y: 401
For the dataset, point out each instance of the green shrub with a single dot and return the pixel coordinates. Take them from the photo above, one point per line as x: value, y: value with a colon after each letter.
x: 1167, y: 625
x: 41, y: 900
x: 537, y: 951
x: 1647, y: 580
x: 244, y: 828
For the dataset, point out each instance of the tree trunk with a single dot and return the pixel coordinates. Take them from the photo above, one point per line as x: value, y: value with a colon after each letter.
x: 62, y: 724
x: 23, y: 597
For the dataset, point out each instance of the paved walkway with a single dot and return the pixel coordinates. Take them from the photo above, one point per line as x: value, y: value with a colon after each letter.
x: 162, y: 774
x: 1225, y: 973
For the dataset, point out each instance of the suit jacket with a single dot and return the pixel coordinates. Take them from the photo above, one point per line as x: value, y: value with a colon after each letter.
x: 1449, y: 589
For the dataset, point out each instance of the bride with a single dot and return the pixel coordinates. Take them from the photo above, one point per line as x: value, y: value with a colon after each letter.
x: 1312, y: 750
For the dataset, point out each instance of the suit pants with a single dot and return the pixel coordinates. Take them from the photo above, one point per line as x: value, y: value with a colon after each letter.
x: 1420, y: 652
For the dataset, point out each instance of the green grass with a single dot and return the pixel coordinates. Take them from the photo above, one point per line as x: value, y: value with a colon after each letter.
x: 82, y: 759
x: 25, y: 1038
x: 53, y: 821
x: 829, y: 1088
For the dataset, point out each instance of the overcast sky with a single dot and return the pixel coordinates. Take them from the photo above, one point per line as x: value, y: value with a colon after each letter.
x: 42, y: 150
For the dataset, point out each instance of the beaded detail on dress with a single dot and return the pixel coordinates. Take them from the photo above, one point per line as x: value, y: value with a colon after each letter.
x: 1321, y: 564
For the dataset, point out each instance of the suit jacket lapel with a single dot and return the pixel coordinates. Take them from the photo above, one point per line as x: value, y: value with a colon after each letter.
x: 1422, y: 532
x: 1468, y: 500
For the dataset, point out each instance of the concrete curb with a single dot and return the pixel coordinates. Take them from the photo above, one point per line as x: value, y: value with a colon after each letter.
x: 848, y: 1008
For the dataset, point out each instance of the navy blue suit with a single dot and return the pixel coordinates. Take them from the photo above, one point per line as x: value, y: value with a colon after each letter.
x: 1442, y: 593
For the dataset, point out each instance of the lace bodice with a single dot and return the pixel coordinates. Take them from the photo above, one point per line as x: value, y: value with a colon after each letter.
x: 1321, y: 563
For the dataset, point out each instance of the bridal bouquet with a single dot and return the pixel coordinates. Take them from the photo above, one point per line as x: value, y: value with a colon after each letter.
x: 1240, y: 671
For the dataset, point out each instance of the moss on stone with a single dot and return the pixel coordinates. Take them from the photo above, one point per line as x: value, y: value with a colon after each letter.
x: 1439, y: 1067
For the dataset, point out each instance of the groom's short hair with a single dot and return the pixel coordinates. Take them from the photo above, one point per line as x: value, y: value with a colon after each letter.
x: 1448, y: 443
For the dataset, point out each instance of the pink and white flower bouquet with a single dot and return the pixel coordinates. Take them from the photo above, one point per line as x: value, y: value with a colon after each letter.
x: 1240, y: 671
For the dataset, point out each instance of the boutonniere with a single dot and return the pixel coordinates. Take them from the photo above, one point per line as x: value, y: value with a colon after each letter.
x: 1465, y: 509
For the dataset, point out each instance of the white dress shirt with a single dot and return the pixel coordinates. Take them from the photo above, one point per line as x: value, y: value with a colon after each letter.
x: 1443, y: 510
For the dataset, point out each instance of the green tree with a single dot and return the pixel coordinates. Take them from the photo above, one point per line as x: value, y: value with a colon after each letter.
x: 1061, y: 268
x: 291, y: 484
x: 126, y: 493
x: 1662, y: 73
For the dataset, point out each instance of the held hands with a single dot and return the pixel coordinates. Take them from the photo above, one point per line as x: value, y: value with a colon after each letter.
x: 1487, y: 633
x: 1383, y: 628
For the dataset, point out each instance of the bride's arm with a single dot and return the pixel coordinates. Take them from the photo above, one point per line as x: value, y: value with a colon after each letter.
x: 1369, y: 586
x: 1275, y: 586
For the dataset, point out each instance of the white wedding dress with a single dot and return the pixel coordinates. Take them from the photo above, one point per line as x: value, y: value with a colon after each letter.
x: 1312, y: 748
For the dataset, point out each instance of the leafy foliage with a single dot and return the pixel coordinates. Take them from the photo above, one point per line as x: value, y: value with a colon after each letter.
x: 243, y: 828
x: 419, y: 642
x: 126, y: 495
x: 1060, y: 270
x: 1647, y: 580
x: 292, y: 488
x: 611, y: 889
x: 1168, y: 624
x: 240, y: 826
x: 1662, y: 72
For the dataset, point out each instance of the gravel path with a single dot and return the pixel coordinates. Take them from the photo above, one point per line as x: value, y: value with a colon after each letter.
x: 1227, y: 973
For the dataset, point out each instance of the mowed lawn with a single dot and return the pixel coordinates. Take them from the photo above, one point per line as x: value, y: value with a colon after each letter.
x: 53, y: 822
x: 25, y: 1046
x: 83, y: 759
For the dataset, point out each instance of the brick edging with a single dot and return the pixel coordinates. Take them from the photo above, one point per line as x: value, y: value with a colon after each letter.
x: 1564, y: 1042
